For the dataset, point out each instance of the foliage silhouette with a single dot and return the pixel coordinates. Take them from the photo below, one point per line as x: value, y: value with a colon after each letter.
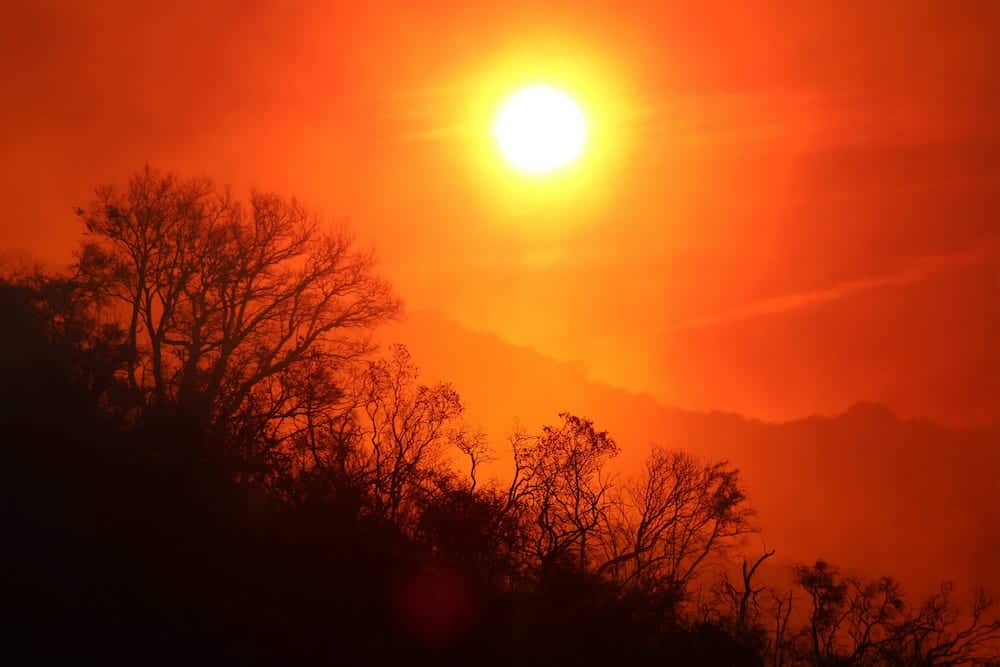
x: 204, y: 460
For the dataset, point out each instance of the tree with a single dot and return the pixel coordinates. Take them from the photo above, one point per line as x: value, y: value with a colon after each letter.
x: 857, y: 622
x: 467, y: 530
x: 562, y: 487
x: 828, y: 596
x: 475, y: 447
x: 780, y: 609
x: 743, y: 600
x: 406, y: 426
x: 232, y: 310
x: 937, y: 634
x: 54, y: 341
x: 677, y: 514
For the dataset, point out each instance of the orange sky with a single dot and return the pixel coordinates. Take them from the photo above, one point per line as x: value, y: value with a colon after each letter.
x: 800, y: 208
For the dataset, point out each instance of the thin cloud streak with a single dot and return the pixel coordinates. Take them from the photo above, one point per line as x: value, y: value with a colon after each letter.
x: 928, y: 267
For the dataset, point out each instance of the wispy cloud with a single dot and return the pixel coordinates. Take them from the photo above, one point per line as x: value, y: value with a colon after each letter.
x: 921, y: 270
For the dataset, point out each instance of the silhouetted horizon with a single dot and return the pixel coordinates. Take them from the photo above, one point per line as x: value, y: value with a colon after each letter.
x: 579, y: 370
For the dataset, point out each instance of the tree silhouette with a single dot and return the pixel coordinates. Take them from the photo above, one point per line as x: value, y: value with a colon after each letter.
x: 206, y: 353
x: 743, y: 600
x: 563, y: 487
x: 937, y: 634
x: 856, y: 622
x: 672, y: 518
x: 405, y: 428
x: 229, y: 305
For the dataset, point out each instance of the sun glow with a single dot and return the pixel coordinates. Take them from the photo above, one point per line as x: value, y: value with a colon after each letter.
x: 543, y: 132
x: 539, y: 129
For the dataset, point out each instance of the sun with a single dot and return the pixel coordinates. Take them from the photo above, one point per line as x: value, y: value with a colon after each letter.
x: 540, y: 129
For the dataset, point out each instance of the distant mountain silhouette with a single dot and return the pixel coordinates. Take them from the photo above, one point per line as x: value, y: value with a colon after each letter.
x: 902, y: 496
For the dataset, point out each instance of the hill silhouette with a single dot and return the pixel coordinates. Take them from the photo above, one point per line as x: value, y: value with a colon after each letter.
x: 864, y: 488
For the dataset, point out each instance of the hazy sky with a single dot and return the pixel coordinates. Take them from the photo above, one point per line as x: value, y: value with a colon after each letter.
x: 799, y: 207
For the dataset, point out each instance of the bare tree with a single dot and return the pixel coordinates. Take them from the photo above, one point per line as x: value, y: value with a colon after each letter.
x: 561, y: 487
x: 672, y: 518
x: 141, y: 253
x: 855, y: 622
x: 743, y: 600
x: 229, y: 307
x: 406, y: 428
x: 316, y: 455
x: 780, y: 609
x: 939, y: 635
x: 873, y: 616
x: 475, y: 447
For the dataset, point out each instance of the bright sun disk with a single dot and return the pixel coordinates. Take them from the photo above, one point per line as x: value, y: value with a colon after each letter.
x: 540, y: 129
